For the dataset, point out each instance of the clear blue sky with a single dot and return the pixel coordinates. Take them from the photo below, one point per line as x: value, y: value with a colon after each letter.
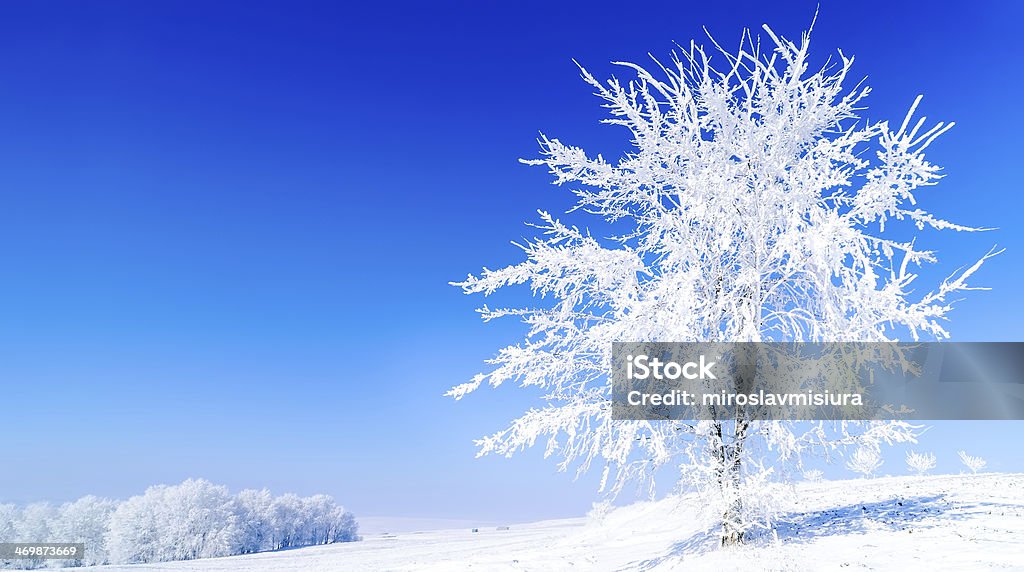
x: 226, y: 229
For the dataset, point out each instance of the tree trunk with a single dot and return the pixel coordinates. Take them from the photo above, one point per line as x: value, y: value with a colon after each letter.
x: 729, y: 479
x: 731, y: 453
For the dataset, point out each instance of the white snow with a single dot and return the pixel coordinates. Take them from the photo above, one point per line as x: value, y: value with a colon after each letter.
x: 376, y: 525
x: 894, y: 523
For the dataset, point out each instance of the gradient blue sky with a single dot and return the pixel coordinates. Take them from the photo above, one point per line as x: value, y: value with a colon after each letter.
x: 226, y: 229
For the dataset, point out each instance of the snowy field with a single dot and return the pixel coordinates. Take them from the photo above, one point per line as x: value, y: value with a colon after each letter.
x: 892, y: 523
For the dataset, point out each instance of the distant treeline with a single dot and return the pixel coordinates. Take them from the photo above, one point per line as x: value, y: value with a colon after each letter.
x: 196, y: 519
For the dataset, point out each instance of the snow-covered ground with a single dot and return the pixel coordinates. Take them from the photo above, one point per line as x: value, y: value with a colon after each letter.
x: 374, y: 526
x: 892, y: 523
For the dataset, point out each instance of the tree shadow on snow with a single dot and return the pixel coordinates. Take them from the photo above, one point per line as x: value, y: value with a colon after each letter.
x: 895, y: 514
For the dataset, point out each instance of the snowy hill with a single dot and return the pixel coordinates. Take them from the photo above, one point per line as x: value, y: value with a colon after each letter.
x: 893, y: 523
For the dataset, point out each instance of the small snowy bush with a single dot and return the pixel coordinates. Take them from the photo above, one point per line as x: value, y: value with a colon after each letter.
x: 865, y: 460
x: 599, y: 510
x: 920, y: 463
x: 975, y: 464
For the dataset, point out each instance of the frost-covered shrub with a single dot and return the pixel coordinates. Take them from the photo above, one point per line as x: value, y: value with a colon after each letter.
x: 920, y: 463
x: 599, y: 510
x: 865, y: 460
x: 974, y: 464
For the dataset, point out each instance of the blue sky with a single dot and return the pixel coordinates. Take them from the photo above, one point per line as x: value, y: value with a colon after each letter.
x: 227, y: 229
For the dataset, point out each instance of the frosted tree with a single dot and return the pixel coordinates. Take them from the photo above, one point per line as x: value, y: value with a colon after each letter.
x: 201, y: 521
x: 865, y: 460
x: 326, y: 522
x: 286, y: 521
x: 87, y: 520
x: 35, y: 522
x: 920, y: 463
x: 754, y: 205
x: 195, y: 519
x: 254, y: 508
x: 974, y: 464
x: 28, y: 524
x: 135, y: 528
x: 269, y: 524
x: 8, y: 515
x: 344, y: 527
